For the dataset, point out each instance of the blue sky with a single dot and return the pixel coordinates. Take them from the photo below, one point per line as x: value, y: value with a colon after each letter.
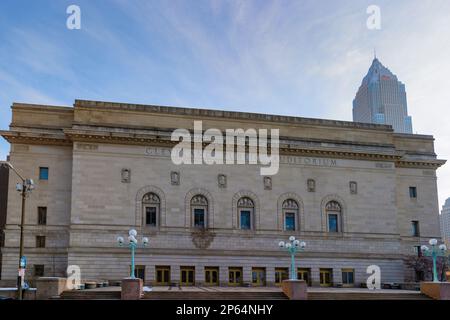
x: 303, y: 58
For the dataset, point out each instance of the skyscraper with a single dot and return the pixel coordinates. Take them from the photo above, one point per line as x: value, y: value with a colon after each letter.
x: 445, y: 221
x: 381, y: 99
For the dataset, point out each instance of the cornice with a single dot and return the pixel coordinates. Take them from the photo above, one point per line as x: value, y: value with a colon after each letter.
x: 35, y: 138
x: 217, y: 114
x: 68, y: 136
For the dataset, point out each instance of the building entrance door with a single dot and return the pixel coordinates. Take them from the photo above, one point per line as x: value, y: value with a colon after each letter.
x: 235, y: 276
x: 187, y: 276
x: 162, y: 275
x: 139, y: 272
x: 211, y: 276
x: 259, y: 276
x: 280, y: 275
x: 325, y: 277
x: 304, y: 274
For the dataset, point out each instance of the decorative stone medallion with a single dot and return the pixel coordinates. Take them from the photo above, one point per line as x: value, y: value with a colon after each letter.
x: 126, y: 175
x: 202, y: 238
x: 175, y: 178
x: 222, y: 180
x: 267, y: 183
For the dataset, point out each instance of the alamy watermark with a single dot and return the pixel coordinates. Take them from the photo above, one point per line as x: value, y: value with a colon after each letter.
x: 374, y: 280
x: 374, y: 20
x: 241, y: 147
x: 74, y: 19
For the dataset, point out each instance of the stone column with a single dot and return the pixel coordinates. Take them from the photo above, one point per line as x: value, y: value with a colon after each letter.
x: 270, y: 276
x: 132, y: 289
x: 175, y: 274
x: 337, y: 277
x: 295, y: 289
x: 150, y: 275
x: 247, y: 275
x: 199, y: 275
x: 223, y: 276
x: 315, y: 277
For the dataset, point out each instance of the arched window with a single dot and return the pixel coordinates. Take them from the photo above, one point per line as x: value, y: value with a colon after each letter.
x: 151, y: 206
x: 246, y: 209
x: 290, y: 214
x: 199, y: 211
x: 334, y: 216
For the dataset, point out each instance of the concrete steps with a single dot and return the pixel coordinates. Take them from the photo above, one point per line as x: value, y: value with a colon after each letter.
x: 90, y: 295
x: 243, y: 295
x: 366, y: 296
x: 217, y: 295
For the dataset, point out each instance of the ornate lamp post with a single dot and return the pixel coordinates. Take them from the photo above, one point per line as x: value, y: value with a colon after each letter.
x: 24, y: 188
x: 434, y: 252
x: 292, y: 247
x: 132, y: 244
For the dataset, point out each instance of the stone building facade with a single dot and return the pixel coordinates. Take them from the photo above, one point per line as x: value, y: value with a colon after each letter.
x: 4, y: 177
x: 354, y: 192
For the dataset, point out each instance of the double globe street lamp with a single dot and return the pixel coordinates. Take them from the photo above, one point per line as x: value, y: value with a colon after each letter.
x: 292, y: 246
x: 132, y: 244
x: 24, y: 188
x: 434, y: 252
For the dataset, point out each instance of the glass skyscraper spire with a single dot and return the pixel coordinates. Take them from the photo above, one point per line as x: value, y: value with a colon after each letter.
x: 381, y: 99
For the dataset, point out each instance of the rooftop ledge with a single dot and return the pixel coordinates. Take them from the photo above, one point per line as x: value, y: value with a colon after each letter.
x: 217, y: 114
x: 228, y: 114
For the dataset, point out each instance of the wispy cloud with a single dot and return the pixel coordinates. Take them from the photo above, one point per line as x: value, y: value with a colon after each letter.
x: 304, y: 58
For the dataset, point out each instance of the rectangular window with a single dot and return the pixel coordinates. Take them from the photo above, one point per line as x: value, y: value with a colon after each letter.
x: 333, y: 223
x: 42, y: 215
x: 348, y: 277
x: 245, y: 220
x: 199, y: 218
x: 412, y: 192
x: 304, y: 274
x: 212, y: 276
x: 417, y: 251
x: 163, y: 275
x: 43, y: 173
x: 281, y: 274
x: 150, y: 216
x: 258, y: 276
x: 40, y: 241
x: 235, y: 276
x: 187, y: 276
x: 38, y: 270
x: 290, y: 221
x: 415, y: 228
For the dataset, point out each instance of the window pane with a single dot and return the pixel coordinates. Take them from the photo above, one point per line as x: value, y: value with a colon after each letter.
x: 415, y: 228
x: 43, y: 173
x: 199, y: 217
x: 347, y: 277
x: 42, y: 215
x: 290, y: 221
x: 333, y: 222
x: 150, y: 216
x: 245, y: 220
x: 413, y: 192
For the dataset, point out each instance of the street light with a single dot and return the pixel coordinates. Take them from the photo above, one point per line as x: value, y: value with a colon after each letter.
x: 132, y: 244
x: 25, y: 188
x: 434, y: 252
x: 292, y: 247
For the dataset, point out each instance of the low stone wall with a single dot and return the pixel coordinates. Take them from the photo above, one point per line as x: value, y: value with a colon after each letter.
x: 29, y: 294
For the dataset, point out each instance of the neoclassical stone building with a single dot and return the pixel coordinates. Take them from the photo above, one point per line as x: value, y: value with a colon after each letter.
x: 357, y: 194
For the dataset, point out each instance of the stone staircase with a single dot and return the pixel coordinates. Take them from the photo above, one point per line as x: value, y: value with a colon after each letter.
x: 216, y: 295
x: 326, y: 295
x: 89, y: 295
x: 245, y: 295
